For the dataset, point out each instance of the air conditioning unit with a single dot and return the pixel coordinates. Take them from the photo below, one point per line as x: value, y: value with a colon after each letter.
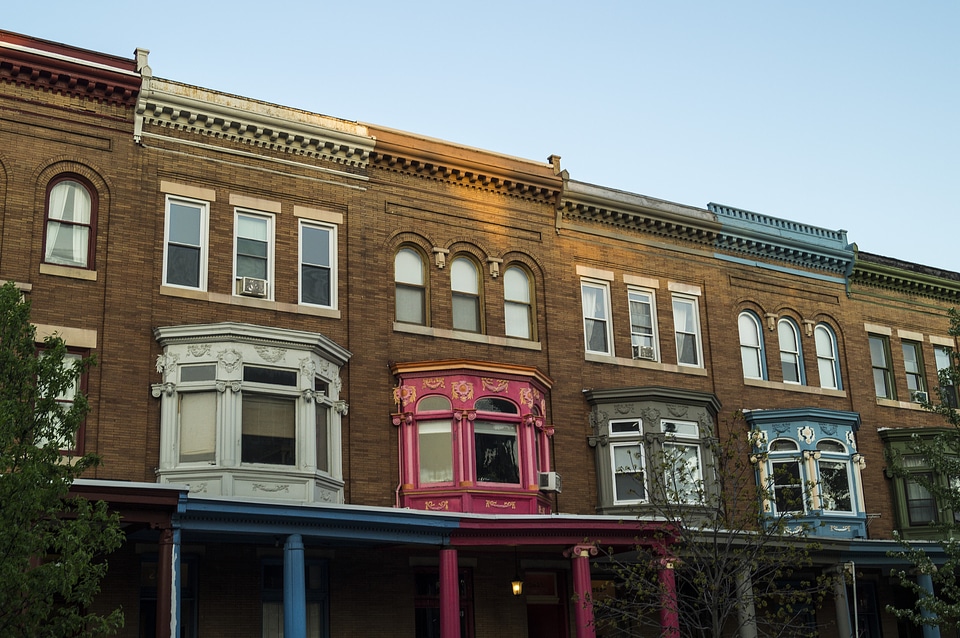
x: 253, y: 287
x: 643, y: 352
x: 550, y: 482
x: 918, y: 396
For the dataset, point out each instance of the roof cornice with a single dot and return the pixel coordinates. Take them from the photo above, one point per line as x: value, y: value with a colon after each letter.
x: 182, y: 107
x: 886, y: 273
x: 767, y: 237
x: 68, y: 70
x: 582, y: 202
x: 440, y: 160
x: 469, y: 366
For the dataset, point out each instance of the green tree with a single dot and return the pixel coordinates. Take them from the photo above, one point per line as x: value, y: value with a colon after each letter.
x: 941, y: 457
x: 52, y: 546
x: 736, y: 567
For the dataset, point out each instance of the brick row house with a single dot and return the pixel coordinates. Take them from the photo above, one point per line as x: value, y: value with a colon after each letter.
x: 357, y: 381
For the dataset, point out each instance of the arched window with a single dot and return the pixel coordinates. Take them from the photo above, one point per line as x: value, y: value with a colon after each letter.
x: 791, y: 357
x: 828, y: 363
x: 751, y: 346
x: 70, y: 228
x: 787, y: 477
x: 833, y: 467
x: 411, y: 288
x: 517, y: 303
x: 465, y: 286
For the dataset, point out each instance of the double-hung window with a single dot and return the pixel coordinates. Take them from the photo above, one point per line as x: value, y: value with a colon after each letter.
x: 269, y: 416
x: 643, y: 324
x: 686, y: 325
x: 465, y: 288
x: 72, y: 444
x: 791, y: 357
x: 517, y: 303
x: 253, y: 254
x: 597, y: 329
x: 786, y: 477
x: 318, y: 259
x: 828, y: 364
x: 70, y: 229
x: 626, y: 455
x: 410, y: 286
x: 913, y: 366
x: 751, y: 346
x: 944, y: 361
x: 882, y: 372
x: 682, y: 468
x: 185, y: 243
x: 197, y: 413
x: 833, y: 466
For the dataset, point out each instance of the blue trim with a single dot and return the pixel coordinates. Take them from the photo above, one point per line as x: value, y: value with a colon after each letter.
x: 294, y: 589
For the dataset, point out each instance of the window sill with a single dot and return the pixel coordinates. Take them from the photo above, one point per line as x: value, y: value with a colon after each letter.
x: 647, y: 365
x: 249, y: 302
x: 457, y: 335
x: 69, y: 272
x: 794, y: 387
x: 893, y: 403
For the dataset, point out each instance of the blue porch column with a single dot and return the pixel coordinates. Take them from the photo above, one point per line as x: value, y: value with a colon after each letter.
x: 929, y: 631
x: 449, y: 594
x: 294, y: 589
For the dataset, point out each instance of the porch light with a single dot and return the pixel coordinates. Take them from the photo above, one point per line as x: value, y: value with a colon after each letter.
x: 517, y: 586
x: 517, y: 582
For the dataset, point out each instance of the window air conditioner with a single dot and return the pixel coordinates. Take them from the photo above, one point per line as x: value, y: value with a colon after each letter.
x: 253, y: 287
x: 918, y: 396
x: 643, y: 352
x: 550, y: 482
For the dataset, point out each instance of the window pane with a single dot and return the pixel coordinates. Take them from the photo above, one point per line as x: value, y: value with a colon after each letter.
x: 491, y: 404
x: 628, y: 474
x: 184, y: 224
x: 466, y: 313
x: 436, y: 451
x: 921, y: 506
x: 624, y: 427
x: 66, y: 244
x: 433, y: 403
x: 183, y: 265
x: 323, y: 432
x: 463, y: 276
x: 516, y: 286
x: 408, y: 267
x: 835, y: 486
x: 269, y: 429
x: 682, y: 475
x: 315, y: 285
x: 256, y: 374
x: 496, y: 448
x: 687, y: 349
x: 315, y: 245
x: 198, y: 427
x: 198, y: 373
x: 787, y: 486
x: 70, y: 202
x: 517, y: 319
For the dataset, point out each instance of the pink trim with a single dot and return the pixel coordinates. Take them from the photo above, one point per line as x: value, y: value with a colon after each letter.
x: 669, y: 617
x: 582, y: 589
x: 449, y: 594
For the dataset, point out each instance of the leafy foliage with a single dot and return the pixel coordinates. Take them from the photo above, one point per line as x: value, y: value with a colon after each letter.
x: 51, y: 545
x: 734, y: 564
x: 941, y: 479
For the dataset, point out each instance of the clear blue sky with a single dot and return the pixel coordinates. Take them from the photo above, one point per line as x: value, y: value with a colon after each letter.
x: 843, y: 114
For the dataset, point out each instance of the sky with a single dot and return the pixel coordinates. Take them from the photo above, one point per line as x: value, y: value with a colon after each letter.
x: 843, y: 114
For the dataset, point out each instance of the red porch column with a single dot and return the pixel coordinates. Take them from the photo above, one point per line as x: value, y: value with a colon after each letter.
x: 582, y: 589
x: 669, y: 617
x: 449, y: 594
x: 164, y: 583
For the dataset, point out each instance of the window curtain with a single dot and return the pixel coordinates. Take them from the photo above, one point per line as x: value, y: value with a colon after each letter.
x: 69, y: 215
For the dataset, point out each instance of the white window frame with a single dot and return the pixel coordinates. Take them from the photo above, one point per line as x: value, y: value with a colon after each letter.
x: 332, y: 247
x: 749, y: 351
x: 607, y: 319
x: 683, y: 434
x: 795, y: 457
x: 695, y: 309
x: 204, y: 208
x: 829, y: 360
x: 647, y: 296
x: 524, y: 306
x: 270, y: 241
x: 628, y: 439
x: 840, y: 458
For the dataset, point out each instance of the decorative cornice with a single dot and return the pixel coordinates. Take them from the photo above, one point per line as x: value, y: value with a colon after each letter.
x: 876, y: 271
x: 252, y: 334
x: 68, y: 70
x: 471, y: 367
x: 653, y: 393
x: 582, y: 202
x: 767, y: 237
x: 439, y: 160
x: 181, y: 107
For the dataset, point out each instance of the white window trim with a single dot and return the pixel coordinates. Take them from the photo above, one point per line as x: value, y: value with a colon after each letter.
x: 844, y: 459
x: 628, y: 439
x: 695, y: 302
x: 204, y: 239
x: 833, y: 358
x: 757, y: 350
x: 334, y: 274
x: 605, y: 287
x: 655, y: 337
x: 271, y: 241
x: 797, y: 354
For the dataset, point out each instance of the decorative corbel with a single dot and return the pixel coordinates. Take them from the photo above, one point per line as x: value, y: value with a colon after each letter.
x: 406, y: 418
x: 494, y: 266
x: 808, y: 327
x: 223, y: 385
x: 601, y: 439
x: 342, y: 407
x: 771, y: 320
x: 859, y: 460
x: 533, y: 420
x: 469, y: 415
x: 308, y: 395
x: 440, y: 255
x: 811, y: 454
x: 157, y: 389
